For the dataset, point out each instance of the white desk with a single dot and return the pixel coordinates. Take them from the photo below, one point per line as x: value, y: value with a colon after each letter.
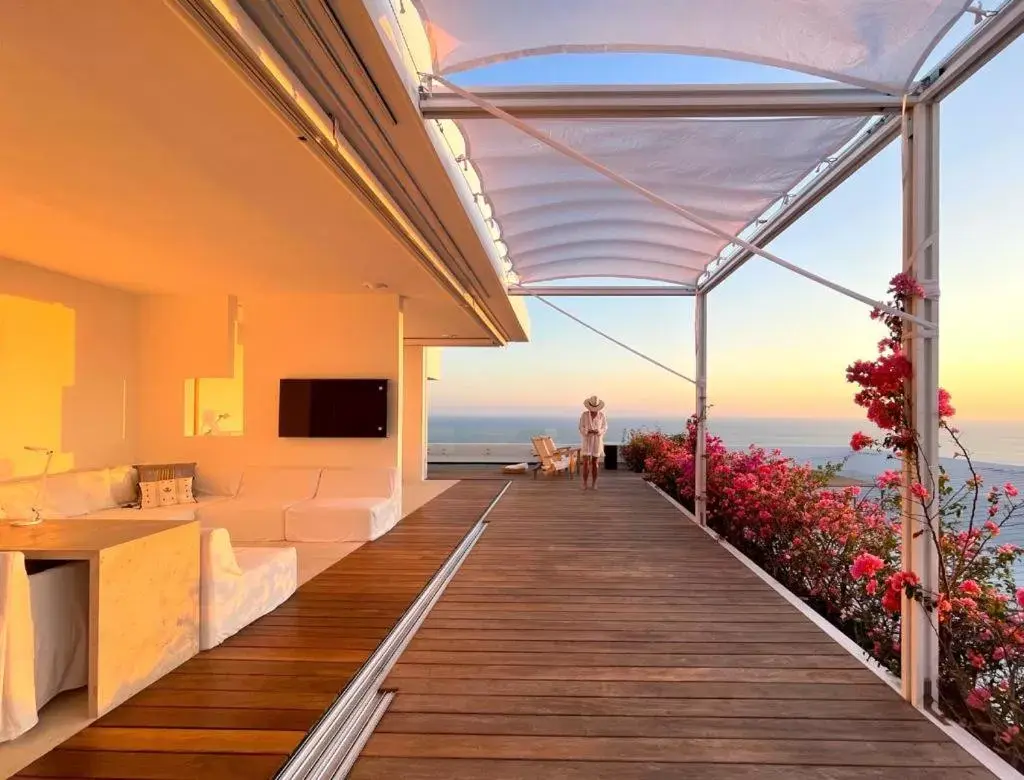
x: 143, y: 596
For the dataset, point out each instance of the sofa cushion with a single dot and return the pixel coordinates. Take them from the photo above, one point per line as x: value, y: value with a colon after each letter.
x: 124, y: 485
x: 247, y: 519
x: 180, y: 512
x: 75, y: 493
x: 341, y: 519
x: 286, y: 484
x: 357, y: 483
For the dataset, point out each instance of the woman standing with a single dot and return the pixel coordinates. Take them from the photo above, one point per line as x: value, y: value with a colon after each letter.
x: 593, y: 427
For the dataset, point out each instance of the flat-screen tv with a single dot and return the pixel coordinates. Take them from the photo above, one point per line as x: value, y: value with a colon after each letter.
x: 333, y: 409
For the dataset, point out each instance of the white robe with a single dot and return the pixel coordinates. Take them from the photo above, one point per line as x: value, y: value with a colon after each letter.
x: 592, y: 431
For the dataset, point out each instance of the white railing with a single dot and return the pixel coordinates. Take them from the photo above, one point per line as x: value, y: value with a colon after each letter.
x: 464, y: 452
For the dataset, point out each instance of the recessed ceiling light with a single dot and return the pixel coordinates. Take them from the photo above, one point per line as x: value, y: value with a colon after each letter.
x: 376, y: 286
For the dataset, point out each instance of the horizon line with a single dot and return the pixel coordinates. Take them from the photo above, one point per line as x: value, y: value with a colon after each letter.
x: 683, y: 415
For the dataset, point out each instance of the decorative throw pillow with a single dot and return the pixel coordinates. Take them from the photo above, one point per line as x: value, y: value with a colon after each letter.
x: 167, y: 492
x: 183, y: 489
x: 154, y: 474
x: 149, y: 496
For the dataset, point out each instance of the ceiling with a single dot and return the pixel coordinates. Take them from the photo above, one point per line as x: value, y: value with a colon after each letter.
x: 132, y: 155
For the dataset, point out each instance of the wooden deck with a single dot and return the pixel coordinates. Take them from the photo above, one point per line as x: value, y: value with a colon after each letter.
x: 587, y: 635
x: 601, y: 635
x: 238, y: 711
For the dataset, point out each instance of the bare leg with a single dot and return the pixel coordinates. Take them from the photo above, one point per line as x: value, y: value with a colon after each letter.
x: 586, y: 467
x: 593, y: 472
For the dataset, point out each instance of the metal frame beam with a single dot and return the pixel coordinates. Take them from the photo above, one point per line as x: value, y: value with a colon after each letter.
x: 598, y: 291
x: 608, y: 102
x: 991, y: 37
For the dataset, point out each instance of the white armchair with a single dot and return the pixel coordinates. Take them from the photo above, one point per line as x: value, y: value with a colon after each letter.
x: 239, y: 585
x: 44, y: 638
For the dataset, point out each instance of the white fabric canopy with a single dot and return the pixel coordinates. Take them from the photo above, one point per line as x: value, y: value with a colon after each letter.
x: 875, y: 43
x: 562, y: 220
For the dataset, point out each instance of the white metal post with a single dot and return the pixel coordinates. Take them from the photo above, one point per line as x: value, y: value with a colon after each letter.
x: 700, y: 471
x: 919, y: 638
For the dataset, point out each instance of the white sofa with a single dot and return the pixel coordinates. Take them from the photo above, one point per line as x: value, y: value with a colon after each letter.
x: 95, y: 494
x: 44, y: 638
x: 351, y: 505
x: 240, y: 584
x: 256, y: 513
x: 236, y: 585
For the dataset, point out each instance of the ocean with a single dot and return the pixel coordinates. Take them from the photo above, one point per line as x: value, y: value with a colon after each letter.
x: 997, y: 448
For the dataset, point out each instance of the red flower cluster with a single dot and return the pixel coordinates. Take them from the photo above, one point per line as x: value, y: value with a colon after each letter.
x: 840, y: 550
x: 883, y: 381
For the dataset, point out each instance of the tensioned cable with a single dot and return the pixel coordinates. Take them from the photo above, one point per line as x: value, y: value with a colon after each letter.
x: 613, y: 340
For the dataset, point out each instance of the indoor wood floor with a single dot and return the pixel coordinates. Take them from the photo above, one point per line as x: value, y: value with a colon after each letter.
x: 238, y: 711
x: 602, y: 635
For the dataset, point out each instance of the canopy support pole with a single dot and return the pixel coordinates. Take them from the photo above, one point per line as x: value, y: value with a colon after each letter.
x: 656, y: 199
x: 700, y: 457
x: 919, y: 634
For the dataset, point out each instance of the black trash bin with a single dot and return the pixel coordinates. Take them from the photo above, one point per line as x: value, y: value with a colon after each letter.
x: 611, y: 457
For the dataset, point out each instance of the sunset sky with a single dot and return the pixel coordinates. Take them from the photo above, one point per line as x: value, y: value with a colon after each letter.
x: 778, y: 344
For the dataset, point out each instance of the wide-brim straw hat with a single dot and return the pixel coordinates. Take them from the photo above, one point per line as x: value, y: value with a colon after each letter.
x: 594, y: 404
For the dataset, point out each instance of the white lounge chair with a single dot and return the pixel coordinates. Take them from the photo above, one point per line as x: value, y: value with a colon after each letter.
x: 552, y: 459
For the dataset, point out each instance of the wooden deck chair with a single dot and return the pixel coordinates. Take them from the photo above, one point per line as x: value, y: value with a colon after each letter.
x: 552, y: 459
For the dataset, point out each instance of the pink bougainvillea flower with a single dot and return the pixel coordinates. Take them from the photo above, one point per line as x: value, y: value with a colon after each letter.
x: 992, y: 528
x: 1010, y: 490
x: 945, y: 407
x: 979, y: 698
x: 970, y: 587
x: 1006, y: 549
x: 866, y: 565
x: 1020, y: 597
x: 892, y: 601
x: 888, y: 479
x: 859, y: 441
x: 919, y: 490
x: 871, y: 587
x: 998, y: 654
x: 906, y: 286
x: 1009, y: 735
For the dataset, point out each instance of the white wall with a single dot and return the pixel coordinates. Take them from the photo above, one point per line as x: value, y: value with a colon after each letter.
x: 414, y: 454
x: 99, y: 374
x: 67, y: 371
x: 290, y: 335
